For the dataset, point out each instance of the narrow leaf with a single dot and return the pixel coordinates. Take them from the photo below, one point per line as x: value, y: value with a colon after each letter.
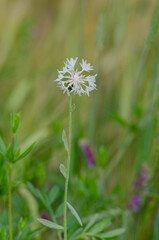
x: 113, y: 233
x: 91, y: 222
x: 53, y: 194
x: 10, y: 152
x: 26, y: 152
x: 2, y: 147
x: 73, y: 211
x: 50, y: 224
x: 31, y: 234
x: 72, y: 225
x: 101, y: 226
x: 17, y: 153
x: 64, y: 139
x: 15, y: 121
x: 36, y: 192
x: 59, y: 211
x: 76, y: 233
x: 22, y: 224
x: 63, y: 170
x: 15, y: 146
x: 73, y: 107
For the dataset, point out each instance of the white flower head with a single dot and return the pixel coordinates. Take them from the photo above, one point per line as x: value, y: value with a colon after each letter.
x: 70, y: 80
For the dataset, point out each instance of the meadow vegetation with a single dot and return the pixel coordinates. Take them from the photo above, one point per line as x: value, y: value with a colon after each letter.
x: 114, y: 171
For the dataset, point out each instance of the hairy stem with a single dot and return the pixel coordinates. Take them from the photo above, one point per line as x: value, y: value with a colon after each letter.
x: 9, y: 202
x: 68, y: 168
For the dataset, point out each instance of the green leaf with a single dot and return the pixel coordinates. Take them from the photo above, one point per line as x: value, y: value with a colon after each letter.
x: 26, y: 230
x: 93, y: 189
x: 63, y: 170
x: 59, y: 211
x: 50, y: 224
x: 2, y: 147
x: 76, y: 233
x: 36, y: 192
x: 22, y: 224
x: 31, y: 234
x: 25, y: 153
x: 73, y: 107
x: 10, y: 154
x: 73, y: 211
x: 53, y: 194
x: 91, y: 222
x: 72, y: 225
x: 100, y: 226
x: 15, y: 121
x: 17, y: 153
x: 120, y: 120
x: 102, y: 157
x: 64, y: 139
x: 46, y: 201
x: 15, y: 146
x: 113, y: 233
x: 2, y: 234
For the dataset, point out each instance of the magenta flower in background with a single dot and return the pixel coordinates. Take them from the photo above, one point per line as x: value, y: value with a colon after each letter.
x: 88, y: 153
x: 45, y: 215
x: 142, y: 178
x: 140, y: 188
x: 135, y: 203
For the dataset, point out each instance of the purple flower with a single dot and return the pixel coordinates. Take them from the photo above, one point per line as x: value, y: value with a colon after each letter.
x: 45, y: 215
x: 88, y: 153
x: 140, y: 189
x: 142, y: 178
x: 135, y: 203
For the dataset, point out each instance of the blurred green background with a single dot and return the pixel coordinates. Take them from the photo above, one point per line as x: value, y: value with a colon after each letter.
x: 120, y: 39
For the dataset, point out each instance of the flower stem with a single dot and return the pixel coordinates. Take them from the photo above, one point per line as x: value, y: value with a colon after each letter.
x: 9, y: 202
x: 68, y: 168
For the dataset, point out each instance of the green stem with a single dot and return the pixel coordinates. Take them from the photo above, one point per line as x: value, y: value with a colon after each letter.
x: 68, y: 168
x: 9, y: 202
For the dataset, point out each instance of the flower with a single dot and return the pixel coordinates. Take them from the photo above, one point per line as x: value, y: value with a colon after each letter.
x: 70, y: 80
x: 135, y: 203
x: 142, y: 178
x: 45, y: 215
x: 88, y: 153
x: 140, y: 189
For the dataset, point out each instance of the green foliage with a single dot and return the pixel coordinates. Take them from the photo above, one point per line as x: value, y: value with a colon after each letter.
x: 10, y: 154
x: 2, y: 234
x: 36, y: 192
x: 102, y: 157
x: 112, y: 234
x: 22, y: 224
x: 63, y: 170
x: 15, y: 122
x: 99, y: 227
x: 96, y: 228
x: 53, y: 194
x: 47, y: 198
x: 25, y: 233
x: 3, y: 149
x: 59, y: 210
x: 120, y: 118
x: 154, y: 26
x: 50, y: 224
x: 73, y: 211
x: 73, y: 108
x: 64, y: 139
x: 25, y: 153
